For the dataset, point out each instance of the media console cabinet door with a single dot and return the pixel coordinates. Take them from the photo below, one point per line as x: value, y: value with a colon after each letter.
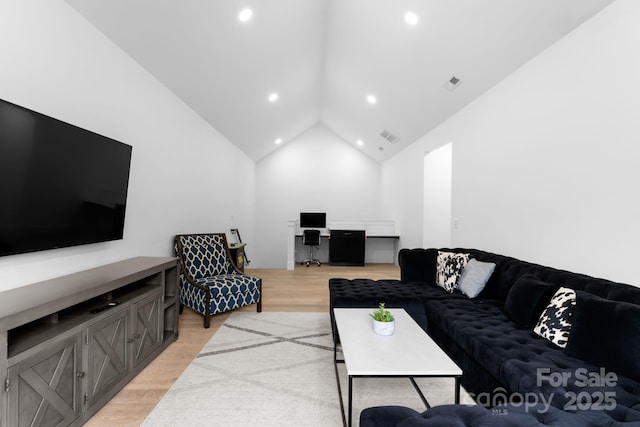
x: 147, y: 327
x: 44, y: 389
x: 107, y: 356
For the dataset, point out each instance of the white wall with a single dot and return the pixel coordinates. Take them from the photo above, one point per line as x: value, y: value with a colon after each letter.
x: 185, y: 177
x: 316, y: 172
x: 402, y: 191
x: 546, y: 164
x: 437, y: 198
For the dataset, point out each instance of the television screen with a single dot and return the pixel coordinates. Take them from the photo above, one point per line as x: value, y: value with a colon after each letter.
x: 60, y: 185
x: 313, y: 220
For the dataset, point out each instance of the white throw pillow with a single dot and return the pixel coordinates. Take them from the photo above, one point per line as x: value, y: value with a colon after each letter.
x: 474, y: 277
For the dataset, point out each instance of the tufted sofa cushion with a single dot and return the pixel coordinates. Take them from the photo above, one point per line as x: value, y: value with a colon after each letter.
x: 508, y: 415
x: 439, y: 416
x: 522, y: 361
x: 356, y: 293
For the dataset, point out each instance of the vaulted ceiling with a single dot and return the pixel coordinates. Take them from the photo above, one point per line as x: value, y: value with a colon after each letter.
x: 323, y: 58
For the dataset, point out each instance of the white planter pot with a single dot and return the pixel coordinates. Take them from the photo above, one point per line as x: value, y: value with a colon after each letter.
x: 384, y: 328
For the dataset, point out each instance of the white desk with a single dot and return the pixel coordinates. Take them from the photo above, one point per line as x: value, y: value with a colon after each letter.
x: 382, y: 242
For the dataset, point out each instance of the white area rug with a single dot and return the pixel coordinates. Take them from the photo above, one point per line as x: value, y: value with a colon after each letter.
x: 276, y: 369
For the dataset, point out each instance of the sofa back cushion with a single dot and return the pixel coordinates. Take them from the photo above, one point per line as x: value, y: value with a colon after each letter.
x: 606, y: 333
x: 509, y: 269
x: 418, y: 265
x: 526, y: 299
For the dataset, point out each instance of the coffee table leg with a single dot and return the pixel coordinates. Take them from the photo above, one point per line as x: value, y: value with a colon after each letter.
x: 420, y: 393
x: 350, y: 398
x: 342, y: 412
x: 457, y: 390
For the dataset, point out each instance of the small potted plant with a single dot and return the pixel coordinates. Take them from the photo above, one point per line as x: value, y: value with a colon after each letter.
x: 383, y: 321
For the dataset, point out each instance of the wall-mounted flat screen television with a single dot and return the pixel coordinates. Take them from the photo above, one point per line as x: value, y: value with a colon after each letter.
x: 313, y: 219
x: 60, y: 185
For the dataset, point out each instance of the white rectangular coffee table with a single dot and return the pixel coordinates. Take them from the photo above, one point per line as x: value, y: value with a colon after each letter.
x: 409, y: 352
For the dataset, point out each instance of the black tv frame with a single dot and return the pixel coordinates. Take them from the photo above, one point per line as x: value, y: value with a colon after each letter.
x: 61, y: 185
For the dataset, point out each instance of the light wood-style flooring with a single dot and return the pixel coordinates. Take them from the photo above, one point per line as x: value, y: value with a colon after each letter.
x: 302, y: 289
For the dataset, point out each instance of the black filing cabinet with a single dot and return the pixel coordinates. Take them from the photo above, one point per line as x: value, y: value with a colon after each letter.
x: 346, y: 247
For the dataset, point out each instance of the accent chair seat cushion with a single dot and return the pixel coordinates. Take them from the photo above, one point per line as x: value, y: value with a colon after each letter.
x: 228, y: 284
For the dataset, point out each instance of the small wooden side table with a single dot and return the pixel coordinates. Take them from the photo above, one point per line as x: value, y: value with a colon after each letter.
x: 237, y: 254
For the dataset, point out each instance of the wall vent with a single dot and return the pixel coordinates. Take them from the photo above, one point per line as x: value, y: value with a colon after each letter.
x: 452, y: 83
x: 391, y: 138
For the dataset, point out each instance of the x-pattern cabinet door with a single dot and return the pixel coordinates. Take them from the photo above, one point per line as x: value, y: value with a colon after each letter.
x: 44, y: 389
x: 147, y: 327
x: 107, y: 361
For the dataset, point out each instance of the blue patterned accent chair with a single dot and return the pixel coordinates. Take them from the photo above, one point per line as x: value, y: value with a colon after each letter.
x: 210, y: 282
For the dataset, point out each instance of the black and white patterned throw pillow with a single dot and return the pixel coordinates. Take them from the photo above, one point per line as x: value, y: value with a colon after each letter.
x: 449, y: 268
x: 555, y: 321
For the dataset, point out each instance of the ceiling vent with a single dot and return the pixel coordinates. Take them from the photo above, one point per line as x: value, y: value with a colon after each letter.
x: 391, y: 138
x: 452, y: 83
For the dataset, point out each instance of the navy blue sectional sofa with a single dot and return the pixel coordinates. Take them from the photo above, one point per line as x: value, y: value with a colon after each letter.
x: 516, y: 377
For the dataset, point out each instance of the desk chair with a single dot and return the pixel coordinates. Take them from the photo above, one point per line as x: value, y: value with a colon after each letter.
x: 311, y: 238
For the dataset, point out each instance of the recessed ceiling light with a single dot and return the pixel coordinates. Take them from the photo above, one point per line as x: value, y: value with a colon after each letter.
x: 411, y: 18
x: 245, y: 15
x: 278, y: 141
x: 273, y: 97
x: 360, y: 143
x: 371, y: 99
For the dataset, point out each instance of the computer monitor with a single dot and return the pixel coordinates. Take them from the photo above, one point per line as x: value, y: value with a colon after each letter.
x: 313, y: 220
